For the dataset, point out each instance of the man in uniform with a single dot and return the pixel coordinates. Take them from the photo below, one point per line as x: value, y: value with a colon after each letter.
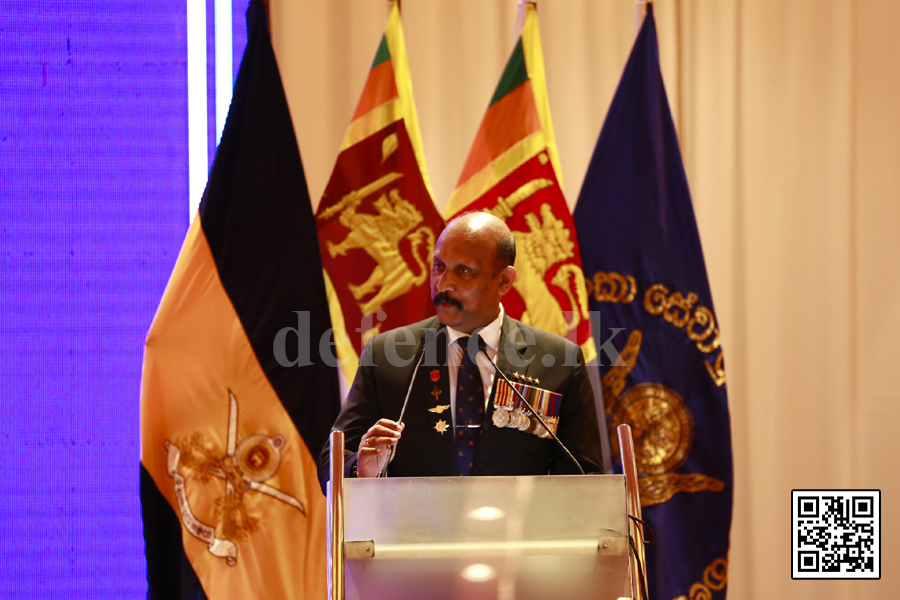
x: 453, y: 424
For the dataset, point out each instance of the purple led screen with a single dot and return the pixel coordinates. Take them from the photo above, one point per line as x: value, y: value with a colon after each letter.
x: 93, y: 211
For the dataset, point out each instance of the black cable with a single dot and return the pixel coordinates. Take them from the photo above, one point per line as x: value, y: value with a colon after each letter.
x: 644, y: 591
x: 482, y: 347
x: 644, y: 525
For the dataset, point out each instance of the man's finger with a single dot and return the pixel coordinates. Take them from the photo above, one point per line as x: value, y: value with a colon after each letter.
x: 386, y: 427
x: 370, y: 452
x: 383, y: 434
x: 388, y: 424
x: 373, y: 441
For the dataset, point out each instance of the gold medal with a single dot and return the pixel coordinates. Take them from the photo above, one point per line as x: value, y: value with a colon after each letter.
x: 514, y: 419
x: 524, y: 422
x: 501, y: 416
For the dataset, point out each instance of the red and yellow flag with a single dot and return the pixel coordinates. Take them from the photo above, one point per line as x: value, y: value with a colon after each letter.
x: 513, y: 172
x: 377, y: 221
x: 236, y: 401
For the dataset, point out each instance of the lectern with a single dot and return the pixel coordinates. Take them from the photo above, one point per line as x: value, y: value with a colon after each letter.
x: 438, y: 538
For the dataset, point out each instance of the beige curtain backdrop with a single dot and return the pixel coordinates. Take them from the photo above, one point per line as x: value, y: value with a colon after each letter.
x: 790, y: 130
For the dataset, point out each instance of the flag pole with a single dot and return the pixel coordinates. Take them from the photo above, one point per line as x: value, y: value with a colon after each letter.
x: 520, y: 18
x: 640, y: 11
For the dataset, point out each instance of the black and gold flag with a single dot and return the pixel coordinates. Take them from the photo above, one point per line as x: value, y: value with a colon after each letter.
x: 235, y: 396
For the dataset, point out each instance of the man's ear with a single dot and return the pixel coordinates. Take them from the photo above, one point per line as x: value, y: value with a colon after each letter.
x: 507, y: 277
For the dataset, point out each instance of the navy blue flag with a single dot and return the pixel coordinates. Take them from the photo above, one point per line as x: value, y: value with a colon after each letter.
x: 645, y: 273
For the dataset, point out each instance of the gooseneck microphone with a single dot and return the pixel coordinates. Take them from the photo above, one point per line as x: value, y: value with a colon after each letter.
x: 482, y: 347
x: 390, y: 453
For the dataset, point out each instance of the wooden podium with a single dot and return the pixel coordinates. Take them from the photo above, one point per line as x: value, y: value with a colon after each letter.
x: 437, y: 538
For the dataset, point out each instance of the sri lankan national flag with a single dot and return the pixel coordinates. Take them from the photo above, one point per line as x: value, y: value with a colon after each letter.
x: 377, y: 221
x: 235, y: 403
x: 513, y: 172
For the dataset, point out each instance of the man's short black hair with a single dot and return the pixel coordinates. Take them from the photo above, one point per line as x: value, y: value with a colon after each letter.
x: 506, y: 252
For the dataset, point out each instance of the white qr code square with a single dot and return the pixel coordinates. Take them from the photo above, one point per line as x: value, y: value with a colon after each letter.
x: 836, y: 534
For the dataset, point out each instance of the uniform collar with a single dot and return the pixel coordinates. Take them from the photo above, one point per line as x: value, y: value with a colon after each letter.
x: 489, y: 333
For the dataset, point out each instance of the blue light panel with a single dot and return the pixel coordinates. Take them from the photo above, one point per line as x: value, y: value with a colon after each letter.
x: 93, y: 211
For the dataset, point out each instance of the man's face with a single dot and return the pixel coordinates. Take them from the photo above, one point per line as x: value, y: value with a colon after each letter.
x: 465, y: 286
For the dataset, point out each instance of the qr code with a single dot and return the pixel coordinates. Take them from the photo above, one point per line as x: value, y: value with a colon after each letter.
x: 836, y: 534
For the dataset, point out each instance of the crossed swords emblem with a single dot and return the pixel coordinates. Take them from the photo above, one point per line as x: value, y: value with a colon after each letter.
x: 245, y: 467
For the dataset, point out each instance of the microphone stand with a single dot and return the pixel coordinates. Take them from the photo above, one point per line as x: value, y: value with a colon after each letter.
x: 483, y: 349
x: 390, y: 453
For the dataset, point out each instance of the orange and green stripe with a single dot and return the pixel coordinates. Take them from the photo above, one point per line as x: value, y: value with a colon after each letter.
x: 387, y: 96
x: 511, y: 117
x: 380, y: 85
x: 516, y: 125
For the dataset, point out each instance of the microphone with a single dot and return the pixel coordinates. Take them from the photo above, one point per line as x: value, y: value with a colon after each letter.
x: 390, y: 453
x: 482, y: 347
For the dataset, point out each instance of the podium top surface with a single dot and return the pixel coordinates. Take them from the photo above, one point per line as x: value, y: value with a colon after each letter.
x: 404, y: 510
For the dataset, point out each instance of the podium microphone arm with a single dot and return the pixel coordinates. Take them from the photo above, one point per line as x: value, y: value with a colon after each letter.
x: 483, y: 349
x: 390, y: 453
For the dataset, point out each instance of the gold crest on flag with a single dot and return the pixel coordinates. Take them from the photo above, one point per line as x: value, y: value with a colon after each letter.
x: 662, y: 426
x: 245, y: 467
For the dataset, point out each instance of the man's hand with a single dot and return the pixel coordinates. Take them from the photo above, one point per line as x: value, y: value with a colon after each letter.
x: 373, y: 447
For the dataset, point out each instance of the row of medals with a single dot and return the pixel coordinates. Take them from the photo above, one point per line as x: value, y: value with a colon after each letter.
x: 505, y: 416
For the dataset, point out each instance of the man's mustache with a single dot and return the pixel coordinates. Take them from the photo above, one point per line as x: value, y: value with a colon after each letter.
x: 445, y: 298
